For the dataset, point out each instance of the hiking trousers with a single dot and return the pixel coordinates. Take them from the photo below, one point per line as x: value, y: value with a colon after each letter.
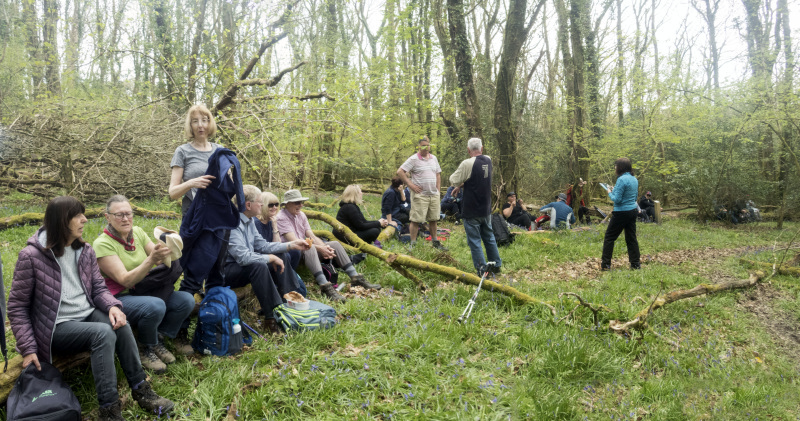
x: 621, y: 221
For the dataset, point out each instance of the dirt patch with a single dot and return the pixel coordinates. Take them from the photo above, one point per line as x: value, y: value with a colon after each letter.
x: 781, y: 325
x: 590, y: 267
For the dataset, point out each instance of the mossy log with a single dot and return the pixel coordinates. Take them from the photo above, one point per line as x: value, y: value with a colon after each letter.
x: 35, y: 218
x: 639, y: 321
x: 781, y: 270
x: 410, y: 262
x: 386, y: 234
x: 8, y: 378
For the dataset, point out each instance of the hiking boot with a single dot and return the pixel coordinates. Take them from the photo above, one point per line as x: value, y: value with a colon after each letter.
x: 438, y: 245
x: 150, y: 360
x: 272, y: 327
x: 359, y: 281
x: 112, y: 412
x: 150, y: 401
x: 182, y: 343
x: 163, y: 353
x: 330, y: 291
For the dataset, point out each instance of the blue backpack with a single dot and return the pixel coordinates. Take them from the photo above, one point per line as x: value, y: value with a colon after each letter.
x: 218, y: 330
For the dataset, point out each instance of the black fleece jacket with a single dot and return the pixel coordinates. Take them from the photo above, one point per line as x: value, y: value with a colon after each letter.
x: 350, y: 215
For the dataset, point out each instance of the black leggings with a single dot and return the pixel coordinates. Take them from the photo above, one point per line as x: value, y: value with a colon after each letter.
x: 622, y: 220
x: 368, y: 235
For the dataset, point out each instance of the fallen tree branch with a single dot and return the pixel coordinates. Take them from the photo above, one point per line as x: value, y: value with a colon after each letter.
x: 782, y: 269
x: 33, y: 218
x: 410, y: 262
x: 583, y: 303
x: 639, y: 321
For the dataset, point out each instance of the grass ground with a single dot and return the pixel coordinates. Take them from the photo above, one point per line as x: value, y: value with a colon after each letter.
x: 401, y: 355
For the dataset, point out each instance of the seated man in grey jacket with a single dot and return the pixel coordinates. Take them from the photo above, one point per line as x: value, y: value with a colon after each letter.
x: 253, y: 260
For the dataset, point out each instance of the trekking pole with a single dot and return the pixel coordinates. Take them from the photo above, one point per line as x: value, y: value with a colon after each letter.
x: 467, y: 311
x: 253, y: 330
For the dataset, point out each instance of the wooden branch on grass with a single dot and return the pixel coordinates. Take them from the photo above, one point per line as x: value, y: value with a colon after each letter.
x: 33, y: 218
x: 583, y: 303
x: 639, y: 321
x: 411, y: 262
x: 782, y: 269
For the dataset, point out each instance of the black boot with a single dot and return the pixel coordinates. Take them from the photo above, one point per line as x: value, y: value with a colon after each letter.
x: 111, y: 413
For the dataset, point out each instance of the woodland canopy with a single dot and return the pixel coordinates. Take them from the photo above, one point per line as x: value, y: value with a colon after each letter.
x: 320, y: 94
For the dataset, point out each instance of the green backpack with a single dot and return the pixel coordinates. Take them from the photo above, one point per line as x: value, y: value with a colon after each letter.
x: 318, y: 316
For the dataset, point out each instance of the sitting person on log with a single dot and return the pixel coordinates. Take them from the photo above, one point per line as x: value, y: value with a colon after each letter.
x: 648, y: 208
x: 515, y: 213
x: 451, y: 205
x: 350, y: 215
x: 136, y: 274
x: 59, y: 304
x: 267, y: 226
x: 253, y: 260
x: 293, y: 225
x: 563, y: 213
x: 394, y: 202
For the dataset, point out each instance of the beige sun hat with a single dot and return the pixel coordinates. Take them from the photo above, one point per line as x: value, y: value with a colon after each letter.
x: 293, y: 195
x: 172, y: 240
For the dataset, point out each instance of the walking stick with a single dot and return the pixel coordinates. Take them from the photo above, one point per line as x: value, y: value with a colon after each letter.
x: 467, y: 311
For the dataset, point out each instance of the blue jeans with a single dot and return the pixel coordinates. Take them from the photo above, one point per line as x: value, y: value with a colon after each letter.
x: 152, y: 315
x: 94, y: 334
x: 478, y: 229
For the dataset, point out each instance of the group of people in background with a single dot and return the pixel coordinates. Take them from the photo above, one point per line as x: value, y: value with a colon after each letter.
x: 68, y: 297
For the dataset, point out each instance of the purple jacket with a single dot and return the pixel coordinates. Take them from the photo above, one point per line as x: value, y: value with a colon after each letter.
x: 36, y: 295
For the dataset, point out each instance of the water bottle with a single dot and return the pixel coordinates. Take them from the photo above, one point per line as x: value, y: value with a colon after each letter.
x: 236, y: 326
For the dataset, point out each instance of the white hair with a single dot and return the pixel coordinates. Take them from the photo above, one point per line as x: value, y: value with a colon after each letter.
x: 474, y: 144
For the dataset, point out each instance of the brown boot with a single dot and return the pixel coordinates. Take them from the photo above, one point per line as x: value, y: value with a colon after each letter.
x: 359, y: 281
x: 272, y: 327
x: 150, y: 401
x: 332, y: 293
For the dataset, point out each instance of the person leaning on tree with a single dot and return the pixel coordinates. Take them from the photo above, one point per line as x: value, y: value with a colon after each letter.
x: 425, y: 183
x: 474, y: 177
x: 623, y: 218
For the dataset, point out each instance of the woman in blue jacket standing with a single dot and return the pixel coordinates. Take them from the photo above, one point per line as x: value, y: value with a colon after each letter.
x: 624, y: 216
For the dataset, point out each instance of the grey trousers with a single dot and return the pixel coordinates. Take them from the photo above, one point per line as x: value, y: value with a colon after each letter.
x: 94, y: 334
x: 311, y: 258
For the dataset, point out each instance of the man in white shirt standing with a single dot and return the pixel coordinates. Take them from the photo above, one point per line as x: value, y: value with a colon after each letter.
x: 425, y: 184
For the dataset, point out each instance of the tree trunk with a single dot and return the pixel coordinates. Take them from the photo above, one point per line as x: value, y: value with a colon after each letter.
x: 327, y: 146
x: 463, y: 64
x: 52, y: 64
x: 515, y: 35
x: 620, y: 74
x: 29, y: 16
x: 191, y: 75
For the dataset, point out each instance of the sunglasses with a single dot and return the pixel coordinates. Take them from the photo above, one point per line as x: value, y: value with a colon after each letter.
x: 273, y: 205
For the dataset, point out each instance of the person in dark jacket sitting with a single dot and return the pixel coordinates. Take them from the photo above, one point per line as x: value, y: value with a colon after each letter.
x: 451, y: 205
x: 394, y: 202
x: 515, y: 213
x: 648, y: 207
x: 350, y: 216
x: 59, y: 304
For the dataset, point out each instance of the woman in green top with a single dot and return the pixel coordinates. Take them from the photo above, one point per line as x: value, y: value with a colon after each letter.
x: 134, y: 270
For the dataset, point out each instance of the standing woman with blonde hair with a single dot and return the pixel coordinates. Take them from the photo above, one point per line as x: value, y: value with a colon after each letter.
x: 190, y: 161
x: 350, y: 215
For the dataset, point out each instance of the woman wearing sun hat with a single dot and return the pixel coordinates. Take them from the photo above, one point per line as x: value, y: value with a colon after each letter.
x: 292, y: 224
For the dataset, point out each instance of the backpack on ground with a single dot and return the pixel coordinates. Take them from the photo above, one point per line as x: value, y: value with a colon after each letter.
x: 329, y: 271
x: 42, y: 395
x: 318, y: 316
x: 218, y: 330
x: 502, y: 236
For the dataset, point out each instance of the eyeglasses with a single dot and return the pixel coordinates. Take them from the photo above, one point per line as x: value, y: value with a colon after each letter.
x: 273, y: 205
x: 122, y: 215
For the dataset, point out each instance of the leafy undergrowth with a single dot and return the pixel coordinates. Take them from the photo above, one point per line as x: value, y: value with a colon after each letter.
x: 400, y: 354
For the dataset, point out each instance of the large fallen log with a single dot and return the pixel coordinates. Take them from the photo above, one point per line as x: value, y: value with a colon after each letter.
x: 409, y: 262
x: 35, y: 218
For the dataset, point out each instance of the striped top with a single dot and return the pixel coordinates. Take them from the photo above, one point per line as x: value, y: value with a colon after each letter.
x: 423, y: 173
